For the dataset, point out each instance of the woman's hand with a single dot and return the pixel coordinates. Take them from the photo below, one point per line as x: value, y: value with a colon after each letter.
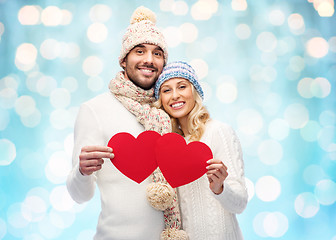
x: 91, y: 158
x: 217, y: 173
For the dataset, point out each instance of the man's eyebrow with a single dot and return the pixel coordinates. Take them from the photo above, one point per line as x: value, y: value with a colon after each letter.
x: 143, y: 46
x: 139, y: 45
x: 158, y: 48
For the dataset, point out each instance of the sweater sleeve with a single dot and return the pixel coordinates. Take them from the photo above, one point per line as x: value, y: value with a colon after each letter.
x: 228, y: 149
x: 87, y: 132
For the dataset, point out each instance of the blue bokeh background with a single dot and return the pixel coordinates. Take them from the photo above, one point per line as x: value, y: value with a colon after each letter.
x: 267, y: 67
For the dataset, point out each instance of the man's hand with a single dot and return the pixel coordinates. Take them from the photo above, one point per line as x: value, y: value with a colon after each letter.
x: 91, y: 158
x: 217, y: 173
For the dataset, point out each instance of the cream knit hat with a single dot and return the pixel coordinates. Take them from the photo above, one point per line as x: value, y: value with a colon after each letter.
x: 142, y: 30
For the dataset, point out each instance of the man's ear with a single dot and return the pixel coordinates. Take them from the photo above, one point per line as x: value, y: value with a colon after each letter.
x: 123, y: 63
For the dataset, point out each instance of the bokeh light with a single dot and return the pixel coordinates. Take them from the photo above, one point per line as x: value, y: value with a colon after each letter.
x: 313, y: 174
x: 310, y: 131
x: 26, y: 55
x: 268, y: 188
x: 239, y: 5
x: 60, y: 98
x: 267, y: 68
x: 97, y: 32
x: 317, y: 47
x: 201, y: 67
x: 45, y: 85
x: 270, y: 152
x: 189, y: 32
x: 51, y: 16
x: 306, y: 205
x: 325, y: 192
x: 278, y: 129
x: 266, y: 41
x: 243, y: 31
x: 296, y: 24
x: 50, y: 49
x: 296, y: 115
x: 227, y: 92
x: 100, y: 13
x: 277, y: 17
x: 249, y: 121
x: 271, y: 224
x: 204, y: 9
x: 180, y: 8
x: 29, y: 15
x: 34, y: 208
x: 325, y: 8
x: 8, y: 152
x: 92, y: 66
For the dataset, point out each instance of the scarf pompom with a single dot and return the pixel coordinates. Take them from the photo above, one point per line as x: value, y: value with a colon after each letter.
x: 160, y: 195
x: 173, y: 234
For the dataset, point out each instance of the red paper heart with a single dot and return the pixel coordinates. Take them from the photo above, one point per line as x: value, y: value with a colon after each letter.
x: 180, y: 163
x: 134, y: 157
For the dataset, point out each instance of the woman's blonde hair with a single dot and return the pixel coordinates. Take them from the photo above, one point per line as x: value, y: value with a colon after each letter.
x: 197, y: 118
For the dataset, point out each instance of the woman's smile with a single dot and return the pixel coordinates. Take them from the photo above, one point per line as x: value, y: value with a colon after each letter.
x: 177, y: 105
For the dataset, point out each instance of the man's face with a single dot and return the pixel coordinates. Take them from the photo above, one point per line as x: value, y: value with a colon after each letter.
x: 143, y: 65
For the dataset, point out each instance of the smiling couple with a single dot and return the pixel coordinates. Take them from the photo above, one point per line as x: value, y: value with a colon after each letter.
x: 151, y: 94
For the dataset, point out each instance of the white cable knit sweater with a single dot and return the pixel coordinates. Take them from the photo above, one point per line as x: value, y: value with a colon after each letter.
x: 205, y: 215
x: 125, y: 212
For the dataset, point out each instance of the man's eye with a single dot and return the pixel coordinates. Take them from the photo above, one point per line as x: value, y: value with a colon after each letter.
x: 158, y: 53
x: 139, y: 51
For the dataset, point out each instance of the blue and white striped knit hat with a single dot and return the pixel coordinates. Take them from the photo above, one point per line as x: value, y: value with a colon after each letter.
x: 178, y: 69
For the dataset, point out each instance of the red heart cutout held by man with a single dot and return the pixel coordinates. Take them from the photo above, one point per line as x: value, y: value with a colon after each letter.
x: 134, y: 157
x: 180, y: 163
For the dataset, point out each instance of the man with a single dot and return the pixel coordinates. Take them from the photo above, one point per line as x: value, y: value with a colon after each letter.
x: 125, y: 211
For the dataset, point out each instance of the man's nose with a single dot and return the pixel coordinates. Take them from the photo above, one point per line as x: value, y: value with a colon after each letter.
x: 148, y: 57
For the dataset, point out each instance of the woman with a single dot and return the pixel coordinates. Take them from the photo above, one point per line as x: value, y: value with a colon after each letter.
x: 208, y: 205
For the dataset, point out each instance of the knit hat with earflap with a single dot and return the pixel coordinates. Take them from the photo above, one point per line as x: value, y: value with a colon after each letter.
x: 178, y: 69
x: 142, y: 30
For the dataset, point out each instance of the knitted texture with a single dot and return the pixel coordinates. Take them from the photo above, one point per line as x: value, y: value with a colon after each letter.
x: 160, y: 195
x: 136, y: 100
x: 208, y: 216
x: 178, y: 69
x: 142, y: 30
x: 173, y: 234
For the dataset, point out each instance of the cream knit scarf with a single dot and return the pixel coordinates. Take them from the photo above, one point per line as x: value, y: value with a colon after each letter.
x: 160, y: 194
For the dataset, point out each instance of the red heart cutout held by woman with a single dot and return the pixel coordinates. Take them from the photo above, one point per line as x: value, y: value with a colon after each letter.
x: 180, y: 163
x: 134, y: 157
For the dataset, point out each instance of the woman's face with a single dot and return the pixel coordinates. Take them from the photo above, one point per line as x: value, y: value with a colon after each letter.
x: 177, y: 97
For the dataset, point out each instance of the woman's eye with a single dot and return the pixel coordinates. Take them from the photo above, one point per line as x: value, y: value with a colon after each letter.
x: 165, y: 90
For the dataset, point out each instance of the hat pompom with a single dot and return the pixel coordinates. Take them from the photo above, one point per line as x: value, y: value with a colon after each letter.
x: 143, y: 13
x: 173, y: 234
x: 160, y: 195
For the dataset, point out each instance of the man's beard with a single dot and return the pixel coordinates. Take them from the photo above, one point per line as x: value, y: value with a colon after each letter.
x: 138, y: 83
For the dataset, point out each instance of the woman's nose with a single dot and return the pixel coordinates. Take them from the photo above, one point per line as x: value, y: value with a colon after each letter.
x: 175, y: 94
